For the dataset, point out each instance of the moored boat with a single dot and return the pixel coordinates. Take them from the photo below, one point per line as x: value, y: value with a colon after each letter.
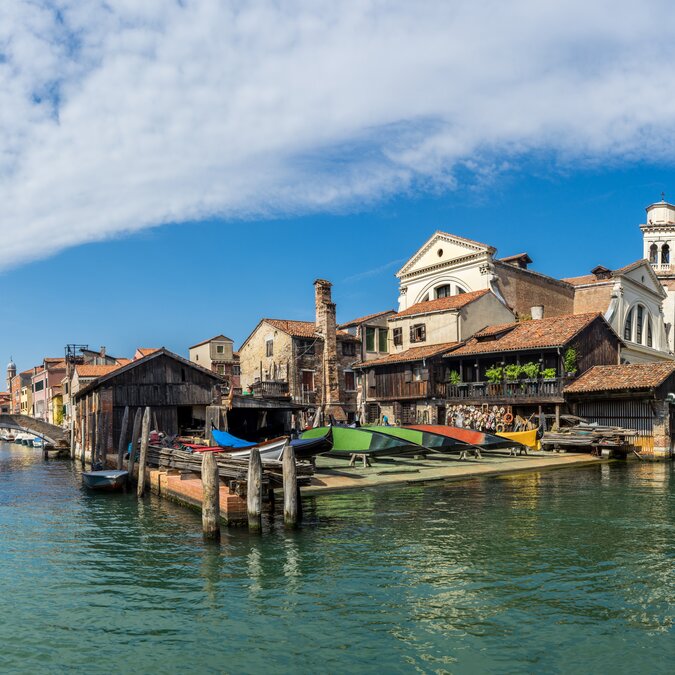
x: 427, y: 439
x: 38, y: 442
x: 529, y: 438
x: 105, y: 480
x: 473, y: 437
x: 348, y: 441
x: 306, y: 448
x: 241, y: 449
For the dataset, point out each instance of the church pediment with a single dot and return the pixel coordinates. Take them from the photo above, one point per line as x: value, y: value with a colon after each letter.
x: 641, y: 272
x: 443, y: 248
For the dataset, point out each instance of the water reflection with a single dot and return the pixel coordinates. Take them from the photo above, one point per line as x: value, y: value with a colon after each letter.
x: 537, y: 572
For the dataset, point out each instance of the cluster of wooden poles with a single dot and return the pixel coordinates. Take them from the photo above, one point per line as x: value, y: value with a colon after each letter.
x: 209, y: 474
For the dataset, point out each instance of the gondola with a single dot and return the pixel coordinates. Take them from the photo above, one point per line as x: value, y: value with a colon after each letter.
x: 348, y: 441
x: 473, y: 437
x: 428, y: 439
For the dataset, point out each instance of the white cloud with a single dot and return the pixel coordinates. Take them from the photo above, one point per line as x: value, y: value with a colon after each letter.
x: 121, y: 115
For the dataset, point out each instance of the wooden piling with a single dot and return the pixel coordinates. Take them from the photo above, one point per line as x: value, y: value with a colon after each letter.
x: 210, y: 497
x: 254, y: 490
x: 95, y: 428
x: 290, y: 481
x: 123, y: 439
x: 145, y: 438
x: 135, y: 435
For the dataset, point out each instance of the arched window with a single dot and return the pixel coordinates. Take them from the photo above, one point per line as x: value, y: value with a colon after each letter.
x: 628, y: 326
x: 443, y: 291
x: 638, y: 324
x: 654, y: 254
x: 459, y: 290
x: 650, y: 339
x: 665, y: 254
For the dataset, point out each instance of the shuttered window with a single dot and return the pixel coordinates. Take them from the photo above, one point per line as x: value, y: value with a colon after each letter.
x: 418, y: 332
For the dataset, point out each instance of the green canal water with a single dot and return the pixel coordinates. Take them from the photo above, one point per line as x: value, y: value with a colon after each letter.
x: 568, y: 571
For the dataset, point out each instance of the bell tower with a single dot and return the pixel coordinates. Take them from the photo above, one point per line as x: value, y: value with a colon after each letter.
x: 658, y: 238
x: 11, y: 372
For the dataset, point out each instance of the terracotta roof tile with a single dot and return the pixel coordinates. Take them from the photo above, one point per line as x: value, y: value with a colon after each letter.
x: 92, y: 370
x: 555, y: 331
x: 302, y: 329
x: 215, y: 337
x: 412, y: 354
x: 593, y: 279
x: 442, y: 304
x: 363, y: 319
x: 624, y: 377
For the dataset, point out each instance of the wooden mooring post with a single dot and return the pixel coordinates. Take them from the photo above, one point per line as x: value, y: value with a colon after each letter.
x: 123, y: 439
x: 291, y: 493
x: 142, y: 460
x: 254, y: 490
x: 135, y: 435
x: 210, y: 497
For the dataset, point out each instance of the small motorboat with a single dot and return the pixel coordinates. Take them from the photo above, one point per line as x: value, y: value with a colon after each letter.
x: 105, y: 479
x: 38, y: 442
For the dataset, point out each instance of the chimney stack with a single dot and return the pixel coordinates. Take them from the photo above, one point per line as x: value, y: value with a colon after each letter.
x: 326, y: 327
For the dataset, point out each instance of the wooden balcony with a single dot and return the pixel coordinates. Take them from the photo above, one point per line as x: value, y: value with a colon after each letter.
x: 522, y: 391
x: 270, y: 389
x: 390, y: 390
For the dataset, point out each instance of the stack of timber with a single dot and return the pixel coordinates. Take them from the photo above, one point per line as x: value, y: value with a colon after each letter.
x: 231, y: 469
x: 584, y: 435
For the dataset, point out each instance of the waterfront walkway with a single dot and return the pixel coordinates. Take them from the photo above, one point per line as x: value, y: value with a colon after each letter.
x: 334, y: 475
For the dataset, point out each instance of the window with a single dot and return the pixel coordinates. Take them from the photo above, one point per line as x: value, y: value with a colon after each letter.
x: 269, y: 347
x: 220, y: 369
x: 220, y: 349
x: 650, y: 339
x: 397, y: 335
x: 654, y: 254
x: 459, y: 290
x: 638, y: 324
x: 348, y: 349
x: 305, y: 347
x: 196, y: 357
x: 39, y: 386
x: 370, y: 339
x: 418, y: 333
x: 628, y: 326
x: 307, y: 380
x: 443, y: 291
x: 350, y: 383
x: 236, y: 369
x: 665, y: 254
x: 382, y: 345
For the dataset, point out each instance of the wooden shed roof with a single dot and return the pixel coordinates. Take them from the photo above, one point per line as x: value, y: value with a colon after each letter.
x: 624, y: 377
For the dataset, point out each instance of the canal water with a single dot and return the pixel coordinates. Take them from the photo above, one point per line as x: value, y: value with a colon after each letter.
x: 567, y: 571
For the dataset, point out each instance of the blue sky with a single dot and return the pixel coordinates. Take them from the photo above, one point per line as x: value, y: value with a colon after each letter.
x: 175, y: 285
x: 170, y: 170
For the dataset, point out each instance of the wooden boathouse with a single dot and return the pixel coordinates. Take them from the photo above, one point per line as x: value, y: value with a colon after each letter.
x: 177, y: 391
x: 638, y: 396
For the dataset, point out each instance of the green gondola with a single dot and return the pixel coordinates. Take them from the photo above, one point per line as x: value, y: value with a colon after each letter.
x: 427, y: 439
x: 348, y: 441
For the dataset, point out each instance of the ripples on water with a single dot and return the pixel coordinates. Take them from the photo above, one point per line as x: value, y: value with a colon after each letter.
x: 559, y: 572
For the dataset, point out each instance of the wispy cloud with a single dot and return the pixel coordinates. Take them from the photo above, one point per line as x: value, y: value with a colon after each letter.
x: 373, y: 272
x: 117, y: 115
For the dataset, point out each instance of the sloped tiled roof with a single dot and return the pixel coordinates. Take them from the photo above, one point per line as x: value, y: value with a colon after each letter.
x: 301, y: 329
x: 555, y: 331
x: 593, y: 279
x: 215, y: 337
x: 412, y: 354
x: 144, y: 351
x: 93, y: 370
x: 363, y: 319
x: 626, y: 377
x: 441, y: 304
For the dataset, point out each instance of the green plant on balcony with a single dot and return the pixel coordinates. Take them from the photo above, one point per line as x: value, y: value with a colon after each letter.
x: 513, y: 371
x: 531, y: 370
x: 494, y: 374
x: 548, y: 373
x: 570, y: 361
x: 453, y: 377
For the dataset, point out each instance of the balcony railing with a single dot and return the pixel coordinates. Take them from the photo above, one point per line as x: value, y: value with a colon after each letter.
x: 521, y: 390
x: 270, y: 389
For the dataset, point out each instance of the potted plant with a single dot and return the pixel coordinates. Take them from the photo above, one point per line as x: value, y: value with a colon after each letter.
x: 512, y: 372
x: 570, y: 362
x: 454, y: 378
x: 531, y: 370
x: 548, y: 374
x: 494, y: 374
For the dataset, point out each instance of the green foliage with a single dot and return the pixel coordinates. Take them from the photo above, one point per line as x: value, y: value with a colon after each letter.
x: 570, y: 361
x: 531, y: 370
x: 548, y: 373
x: 454, y: 377
x: 494, y: 374
x: 513, y: 371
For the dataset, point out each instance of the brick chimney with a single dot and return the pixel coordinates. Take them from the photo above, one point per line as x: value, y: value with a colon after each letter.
x: 326, y: 327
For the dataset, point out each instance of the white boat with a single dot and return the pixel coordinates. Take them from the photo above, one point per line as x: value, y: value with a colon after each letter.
x: 38, y: 443
x: 271, y: 450
x: 24, y: 439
